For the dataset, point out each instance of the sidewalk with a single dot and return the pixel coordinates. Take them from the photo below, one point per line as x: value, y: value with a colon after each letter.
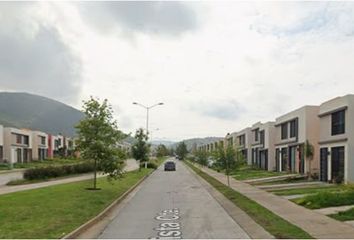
x: 131, y: 166
x: 270, y: 179
x: 316, y: 224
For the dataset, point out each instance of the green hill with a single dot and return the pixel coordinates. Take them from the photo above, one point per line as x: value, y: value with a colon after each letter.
x: 23, y: 110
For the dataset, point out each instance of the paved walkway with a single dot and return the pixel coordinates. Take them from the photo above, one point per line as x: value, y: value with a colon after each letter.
x: 130, y: 166
x: 292, y: 185
x: 333, y: 210
x: 270, y: 179
x: 289, y: 197
x: 316, y: 224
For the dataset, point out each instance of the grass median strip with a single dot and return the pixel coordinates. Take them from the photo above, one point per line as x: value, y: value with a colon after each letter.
x: 271, y: 222
x: 53, y: 212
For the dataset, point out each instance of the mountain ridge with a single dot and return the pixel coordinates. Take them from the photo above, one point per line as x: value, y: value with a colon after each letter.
x: 25, y: 110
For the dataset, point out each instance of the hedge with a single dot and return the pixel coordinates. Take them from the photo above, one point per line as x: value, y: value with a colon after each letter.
x: 57, y: 171
x: 148, y: 165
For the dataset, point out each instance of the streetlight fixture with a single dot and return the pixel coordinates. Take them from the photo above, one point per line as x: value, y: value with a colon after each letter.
x: 147, y: 112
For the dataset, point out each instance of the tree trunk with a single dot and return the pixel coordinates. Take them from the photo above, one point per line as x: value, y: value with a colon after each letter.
x: 95, y: 175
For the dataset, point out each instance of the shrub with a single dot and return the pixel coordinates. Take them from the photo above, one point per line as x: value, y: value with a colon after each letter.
x: 57, y: 171
x: 149, y: 165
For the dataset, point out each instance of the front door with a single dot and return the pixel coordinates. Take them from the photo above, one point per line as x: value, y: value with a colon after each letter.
x: 277, y: 158
x: 337, y: 164
x: 284, y: 159
x: 263, y: 155
x: 324, y: 164
x: 292, y: 156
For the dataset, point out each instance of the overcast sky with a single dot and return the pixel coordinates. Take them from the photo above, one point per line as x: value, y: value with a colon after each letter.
x: 218, y: 67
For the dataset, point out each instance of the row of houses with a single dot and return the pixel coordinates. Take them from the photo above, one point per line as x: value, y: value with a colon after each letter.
x: 315, y: 140
x: 24, y: 145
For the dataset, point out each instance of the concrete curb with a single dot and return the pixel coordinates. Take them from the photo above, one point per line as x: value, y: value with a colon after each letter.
x: 105, y: 212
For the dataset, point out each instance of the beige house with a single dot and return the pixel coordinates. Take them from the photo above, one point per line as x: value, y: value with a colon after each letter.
x: 292, y: 131
x: 17, y: 145
x: 1, y: 143
x: 39, y: 145
x: 337, y: 139
x: 231, y: 139
x: 262, y: 145
x: 243, y: 143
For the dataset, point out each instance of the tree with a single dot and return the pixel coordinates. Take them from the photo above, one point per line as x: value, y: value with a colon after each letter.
x: 141, y: 148
x: 98, y: 135
x: 228, y: 159
x: 181, y: 150
x: 308, y: 149
x: 201, y: 157
x: 161, y: 151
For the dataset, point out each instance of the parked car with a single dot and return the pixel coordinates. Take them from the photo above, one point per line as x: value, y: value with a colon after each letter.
x: 170, y: 166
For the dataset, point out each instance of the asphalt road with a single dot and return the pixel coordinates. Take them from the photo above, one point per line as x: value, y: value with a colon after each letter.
x: 173, y: 205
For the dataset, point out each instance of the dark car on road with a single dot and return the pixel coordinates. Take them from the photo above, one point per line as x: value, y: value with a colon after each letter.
x: 170, y: 166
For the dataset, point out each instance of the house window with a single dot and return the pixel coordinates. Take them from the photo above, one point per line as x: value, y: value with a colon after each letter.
x: 293, y: 128
x: 25, y: 140
x: 256, y: 132
x: 338, y: 122
x: 42, y: 140
x: 261, y: 136
x: 284, y: 131
x: 1, y: 154
x: 242, y: 139
x: 18, y: 139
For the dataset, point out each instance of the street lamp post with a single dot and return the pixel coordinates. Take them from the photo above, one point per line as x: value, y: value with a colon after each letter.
x: 147, y: 112
x: 147, y: 117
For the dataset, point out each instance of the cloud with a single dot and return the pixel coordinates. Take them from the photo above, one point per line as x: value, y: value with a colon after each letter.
x: 222, y: 109
x: 327, y: 19
x: 162, y: 18
x: 33, y: 56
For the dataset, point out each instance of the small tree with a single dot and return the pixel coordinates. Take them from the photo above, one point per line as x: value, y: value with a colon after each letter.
x: 141, y: 149
x: 97, y: 137
x: 181, y: 150
x: 308, y: 148
x: 201, y: 157
x: 161, y: 151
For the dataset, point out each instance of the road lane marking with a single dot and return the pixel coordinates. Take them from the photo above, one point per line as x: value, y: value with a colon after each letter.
x: 169, y: 228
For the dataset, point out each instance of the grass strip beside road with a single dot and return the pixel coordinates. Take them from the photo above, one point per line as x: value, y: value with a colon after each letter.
x: 53, y: 212
x: 271, y: 222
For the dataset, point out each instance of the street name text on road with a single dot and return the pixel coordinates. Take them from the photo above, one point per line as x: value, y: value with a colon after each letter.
x: 169, y: 228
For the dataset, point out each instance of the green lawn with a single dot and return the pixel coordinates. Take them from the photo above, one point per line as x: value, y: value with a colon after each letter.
x: 247, y: 172
x: 53, y: 212
x: 328, y: 198
x: 308, y: 190
x: 271, y: 222
x: 344, y: 216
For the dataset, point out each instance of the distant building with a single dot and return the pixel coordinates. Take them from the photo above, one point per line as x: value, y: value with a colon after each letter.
x: 17, y: 145
x: 39, y: 145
